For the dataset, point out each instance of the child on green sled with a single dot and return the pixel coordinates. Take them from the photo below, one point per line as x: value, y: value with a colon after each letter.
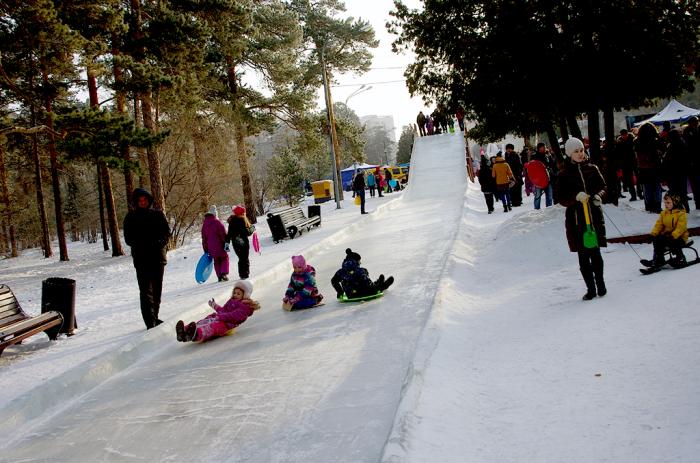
x: 353, y: 281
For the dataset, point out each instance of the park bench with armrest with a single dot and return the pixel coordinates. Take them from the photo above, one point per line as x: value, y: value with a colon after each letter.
x: 16, y: 325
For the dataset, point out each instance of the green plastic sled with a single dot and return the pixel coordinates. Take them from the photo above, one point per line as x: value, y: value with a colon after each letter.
x: 344, y: 298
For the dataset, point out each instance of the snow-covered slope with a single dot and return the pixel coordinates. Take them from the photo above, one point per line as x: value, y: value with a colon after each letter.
x: 514, y: 367
x: 319, y: 385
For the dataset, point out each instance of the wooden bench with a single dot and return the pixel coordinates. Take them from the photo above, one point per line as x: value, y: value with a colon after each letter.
x: 289, y: 222
x: 16, y: 325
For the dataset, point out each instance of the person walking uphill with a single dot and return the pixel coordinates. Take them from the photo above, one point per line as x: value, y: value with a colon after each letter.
x: 581, y: 185
x: 239, y: 229
x: 147, y: 231
x: 214, y: 243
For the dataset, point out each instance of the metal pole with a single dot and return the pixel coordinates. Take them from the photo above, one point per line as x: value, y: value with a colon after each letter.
x: 336, y: 186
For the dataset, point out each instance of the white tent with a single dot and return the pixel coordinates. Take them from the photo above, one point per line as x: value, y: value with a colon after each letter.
x: 359, y: 166
x: 673, y: 112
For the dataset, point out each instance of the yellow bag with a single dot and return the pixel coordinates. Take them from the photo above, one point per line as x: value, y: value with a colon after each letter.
x: 358, y: 201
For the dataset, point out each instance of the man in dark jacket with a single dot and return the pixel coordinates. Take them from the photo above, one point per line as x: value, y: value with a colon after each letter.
x: 358, y: 186
x: 420, y: 120
x: 146, y: 230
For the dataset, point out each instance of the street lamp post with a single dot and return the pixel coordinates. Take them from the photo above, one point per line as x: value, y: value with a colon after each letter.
x: 362, y: 89
x: 331, y: 145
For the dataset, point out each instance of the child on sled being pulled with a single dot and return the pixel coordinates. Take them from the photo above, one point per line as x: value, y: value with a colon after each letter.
x: 670, y: 232
x: 302, y: 292
x: 224, y: 319
x: 353, y: 281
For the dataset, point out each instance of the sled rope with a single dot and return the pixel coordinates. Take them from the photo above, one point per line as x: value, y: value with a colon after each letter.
x: 620, y: 232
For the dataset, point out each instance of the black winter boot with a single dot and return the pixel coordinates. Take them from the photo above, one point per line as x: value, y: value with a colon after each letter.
x: 389, y: 281
x: 180, y: 330
x: 600, y: 284
x: 191, y: 332
x: 590, y: 284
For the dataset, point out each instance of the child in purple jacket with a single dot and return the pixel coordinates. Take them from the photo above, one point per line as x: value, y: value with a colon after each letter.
x: 224, y: 319
x: 302, y: 292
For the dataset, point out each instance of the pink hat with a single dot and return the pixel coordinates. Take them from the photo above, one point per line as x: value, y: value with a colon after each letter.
x: 239, y: 210
x: 298, y: 261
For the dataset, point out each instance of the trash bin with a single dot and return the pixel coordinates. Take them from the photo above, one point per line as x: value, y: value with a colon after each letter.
x: 59, y: 294
x: 314, y: 211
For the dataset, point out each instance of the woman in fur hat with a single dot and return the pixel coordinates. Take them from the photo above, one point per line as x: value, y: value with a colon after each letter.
x: 581, y: 185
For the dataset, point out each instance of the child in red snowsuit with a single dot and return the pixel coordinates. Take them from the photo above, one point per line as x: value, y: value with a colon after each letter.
x: 224, y: 319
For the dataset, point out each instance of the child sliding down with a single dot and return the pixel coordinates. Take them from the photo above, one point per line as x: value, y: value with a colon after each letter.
x: 224, y: 319
x: 302, y: 292
x: 353, y: 280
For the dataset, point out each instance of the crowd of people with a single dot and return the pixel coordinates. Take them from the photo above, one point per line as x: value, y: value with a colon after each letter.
x: 639, y: 164
x: 439, y: 121
x: 376, y: 181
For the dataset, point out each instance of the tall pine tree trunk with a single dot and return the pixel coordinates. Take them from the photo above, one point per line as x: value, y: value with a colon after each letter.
x: 553, y: 142
x: 106, y: 179
x: 594, y: 136
x: 53, y: 157
x: 197, y: 139
x: 152, y: 153
x: 242, y: 153
x: 334, y: 134
x: 101, y: 202
x: 573, y: 125
x: 144, y: 181
x: 121, y: 109
x: 39, y: 184
x: 8, y: 219
x: 562, y: 128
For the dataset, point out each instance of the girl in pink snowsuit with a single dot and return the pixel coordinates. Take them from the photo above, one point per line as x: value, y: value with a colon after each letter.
x: 224, y: 319
x: 214, y: 242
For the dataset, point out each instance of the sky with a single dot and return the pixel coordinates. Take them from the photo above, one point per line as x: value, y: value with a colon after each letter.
x: 390, y: 97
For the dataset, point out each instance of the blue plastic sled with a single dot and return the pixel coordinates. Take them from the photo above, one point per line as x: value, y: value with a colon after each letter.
x: 204, y: 268
x: 344, y: 298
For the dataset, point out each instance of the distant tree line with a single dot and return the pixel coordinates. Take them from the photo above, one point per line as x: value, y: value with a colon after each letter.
x: 525, y: 67
x: 99, y: 97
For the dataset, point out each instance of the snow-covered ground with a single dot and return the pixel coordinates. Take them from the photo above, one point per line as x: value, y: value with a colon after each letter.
x: 481, y: 351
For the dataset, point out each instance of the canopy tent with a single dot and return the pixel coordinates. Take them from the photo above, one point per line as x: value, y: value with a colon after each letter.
x: 673, y: 112
x: 359, y: 166
x: 347, y: 174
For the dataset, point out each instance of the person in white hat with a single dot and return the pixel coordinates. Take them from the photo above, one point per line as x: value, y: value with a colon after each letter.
x: 581, y: 185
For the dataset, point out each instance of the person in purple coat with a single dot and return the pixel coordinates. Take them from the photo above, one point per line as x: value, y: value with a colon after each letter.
x: 224, y: 319
x: 214, y: 242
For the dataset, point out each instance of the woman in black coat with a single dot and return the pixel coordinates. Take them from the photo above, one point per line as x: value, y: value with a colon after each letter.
x: 579, y: 185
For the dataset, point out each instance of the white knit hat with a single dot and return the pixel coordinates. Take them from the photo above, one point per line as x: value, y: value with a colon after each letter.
x: 571, y: 145
x: 213, y: 210
x: 246, y: 286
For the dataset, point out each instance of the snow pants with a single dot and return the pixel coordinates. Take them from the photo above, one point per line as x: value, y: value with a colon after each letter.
x: 210, y: 327
x: 221, y: 265
x: 150, y: 279
x: 489, y: 200
x: 590, y: 263
x: 241, y: 247
x: 664, y: 242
